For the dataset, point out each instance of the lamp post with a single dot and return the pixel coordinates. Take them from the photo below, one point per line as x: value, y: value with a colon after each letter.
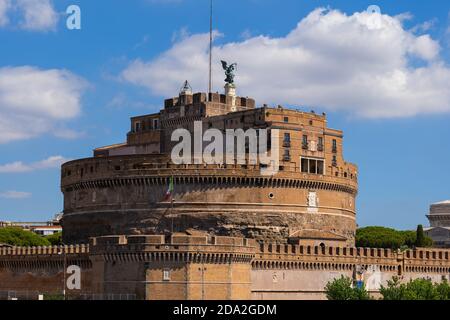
x: 63, y: 251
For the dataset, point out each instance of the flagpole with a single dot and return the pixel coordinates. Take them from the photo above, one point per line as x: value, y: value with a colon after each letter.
x: 210, y: 47
x: 171, y: 210
x: 171, y: 201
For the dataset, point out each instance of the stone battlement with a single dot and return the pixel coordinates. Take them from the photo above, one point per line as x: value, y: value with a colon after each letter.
x: 202, y: 98
x: 51, y: 250
x: 421, y: 260
x: 423, y: 254
x: 97, y: 172
x: 264, y: 251
x: 174, y: 240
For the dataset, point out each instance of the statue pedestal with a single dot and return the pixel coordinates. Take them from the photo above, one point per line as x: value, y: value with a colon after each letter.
x: 230, y: 91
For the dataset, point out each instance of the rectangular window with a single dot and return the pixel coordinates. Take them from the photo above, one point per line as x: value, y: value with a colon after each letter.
x: 320, y: 144
x: 334, y: 161
x: 305, y: 142
x: 312, y: 166
x: 155, y: 124
x: 334, y: 145
x: 287, y: 137
x: 137, y: 127
x: 320, y: 167
x: 166, y: 275
x: 305, y: 165
x: 286, y: 119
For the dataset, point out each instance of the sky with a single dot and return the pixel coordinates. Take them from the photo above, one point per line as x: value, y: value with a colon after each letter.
x: 383, y: 78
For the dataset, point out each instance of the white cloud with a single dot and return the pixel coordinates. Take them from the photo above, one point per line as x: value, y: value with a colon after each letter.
x: 5, y: 5
x: 425, y: 26
x: 38, y: 14
x: 15, y: 195
x: 32, y: 101
x: 331, y: 60
x: 35, y: 15
x: 20, y: 167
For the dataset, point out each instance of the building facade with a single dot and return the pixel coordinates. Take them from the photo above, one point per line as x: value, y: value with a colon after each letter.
x: 120, y: 190
x: 439, y: 218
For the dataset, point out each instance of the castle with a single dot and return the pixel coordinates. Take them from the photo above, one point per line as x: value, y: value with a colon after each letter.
x: 227, y: 231
x: 121, y: 189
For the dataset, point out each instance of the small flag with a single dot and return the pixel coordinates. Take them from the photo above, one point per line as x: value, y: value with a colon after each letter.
x: 169, y: 192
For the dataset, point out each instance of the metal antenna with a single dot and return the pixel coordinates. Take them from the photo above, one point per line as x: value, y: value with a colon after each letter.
x: 210, y: 48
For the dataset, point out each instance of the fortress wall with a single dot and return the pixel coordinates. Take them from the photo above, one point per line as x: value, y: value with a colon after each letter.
x: 27, y: 272
x: 302, y: 272
x: 211, y: 267
x: 178, y: 267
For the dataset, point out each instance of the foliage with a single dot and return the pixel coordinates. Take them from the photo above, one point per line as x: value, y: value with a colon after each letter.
x: 418, y: 289
x: 420, y: 236
x: 380, y: 237
x: 54, y: 297
x: 55, y: 239
x: 19, y: 237
x: 343, y: 289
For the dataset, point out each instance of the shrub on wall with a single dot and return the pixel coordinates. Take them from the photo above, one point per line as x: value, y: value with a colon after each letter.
x: 18, y: 237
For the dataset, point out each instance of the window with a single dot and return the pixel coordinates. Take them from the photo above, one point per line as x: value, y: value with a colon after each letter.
x: 334, y: 145
x: 320, y: 144
x: 287, y: 140
x: 305, y: 165
x: 155, y: 124
x: 320, y: 167
x: 287, y: 155
x: 312, y: 166
x: 286, y: 119
x: 166, y: 275
x: 137, y: 126
x: 305, y: 142
x: 334, y: 161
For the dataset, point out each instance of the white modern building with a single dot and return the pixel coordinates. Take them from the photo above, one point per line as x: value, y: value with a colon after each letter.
x: 439, y: 218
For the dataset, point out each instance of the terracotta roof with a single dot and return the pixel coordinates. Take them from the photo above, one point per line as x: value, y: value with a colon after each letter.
x: 316, y: 234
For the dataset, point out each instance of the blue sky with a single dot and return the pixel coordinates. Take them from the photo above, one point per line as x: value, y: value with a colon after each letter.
x: 386, y: 86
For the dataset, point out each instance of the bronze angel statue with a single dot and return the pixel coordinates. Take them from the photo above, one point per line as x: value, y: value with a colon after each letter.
x: 229, y: 71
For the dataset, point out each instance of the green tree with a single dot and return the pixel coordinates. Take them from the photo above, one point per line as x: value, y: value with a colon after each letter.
x: 55, y: 239
x: 343, y: 289
x: 418, y: 289
x: 421, y: 289
x: 420, y: 237
x: 394, y: 290
x: 443, y: 290
x: 380, y: 237
x: 19, y: 237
